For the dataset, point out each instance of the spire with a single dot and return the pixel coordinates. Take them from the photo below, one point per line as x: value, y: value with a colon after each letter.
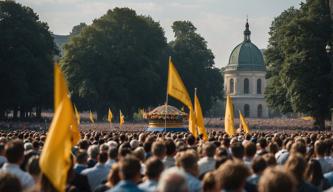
x: 247, y: 31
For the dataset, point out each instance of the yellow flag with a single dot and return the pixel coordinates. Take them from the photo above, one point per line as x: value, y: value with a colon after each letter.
x: 192, y: 123
x: 121, y: 119
x: 77, y: 115
x: 110, y: 116
x: 229, y: 117
x: 177, y: 89
x: 63, y: 134
x: 200, y: 118
x: 91, y: 117
x: 243, y: 123
x: 60, y: 87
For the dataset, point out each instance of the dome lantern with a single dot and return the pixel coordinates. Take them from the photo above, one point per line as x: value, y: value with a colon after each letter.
x: 247, y: 32
x: 246, y: 56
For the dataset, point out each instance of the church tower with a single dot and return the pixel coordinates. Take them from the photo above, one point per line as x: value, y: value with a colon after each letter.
x: 244, y: 78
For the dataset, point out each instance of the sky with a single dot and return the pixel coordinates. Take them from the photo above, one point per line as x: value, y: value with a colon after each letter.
x: 220, y: 22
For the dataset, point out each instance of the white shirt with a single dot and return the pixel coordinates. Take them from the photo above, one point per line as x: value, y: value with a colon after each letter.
x: 3, y: 160
x: 25, y: 178
x: 206, y: 164
x: 325, y: 166
x: 96, y: 175
x: 169, y: 162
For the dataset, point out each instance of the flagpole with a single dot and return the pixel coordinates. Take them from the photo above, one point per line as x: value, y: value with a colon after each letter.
x: 166, y: 101
x: 195, y: 95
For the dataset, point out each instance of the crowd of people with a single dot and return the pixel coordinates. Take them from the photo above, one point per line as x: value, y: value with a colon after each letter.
x: 171, y: 162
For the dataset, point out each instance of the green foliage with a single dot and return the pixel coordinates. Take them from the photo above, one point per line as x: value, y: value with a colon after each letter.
x: 26, y: 53
x: 195, y: 62
x: 115, y: 62
x: 298, y: 65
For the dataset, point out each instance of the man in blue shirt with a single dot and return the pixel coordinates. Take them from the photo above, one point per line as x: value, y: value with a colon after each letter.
x: 189, y: 163
x: 154, y: 168
x: 130, y: 175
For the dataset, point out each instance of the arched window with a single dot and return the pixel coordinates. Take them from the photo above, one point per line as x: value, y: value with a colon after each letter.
x: 247, y: 110
x: 259, y: 86
x: 246, y: 86
x: 231, y: 86
x: 259, y: 111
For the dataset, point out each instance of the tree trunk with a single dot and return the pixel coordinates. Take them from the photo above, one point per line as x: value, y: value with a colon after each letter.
x: 38, y: 112
x: 15, y: 113
x: 320, y: 122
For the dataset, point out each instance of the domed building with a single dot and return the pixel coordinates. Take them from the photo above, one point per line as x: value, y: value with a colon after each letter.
x: 244, y: 78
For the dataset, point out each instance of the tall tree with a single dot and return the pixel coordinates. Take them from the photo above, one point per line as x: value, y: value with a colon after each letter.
x: 195, y: 63
x: 115, y: 62
x: 26, y: 54
x: 297, y: 50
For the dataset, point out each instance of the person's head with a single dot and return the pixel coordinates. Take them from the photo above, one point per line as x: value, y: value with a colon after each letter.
x: 262, y: 143
x: 188, y: 161
x: 102, y: 157
x: 9, y: 183
x: 14, y: 151
x: 93, y: 152
x: 250, y: 149
x: 313, y: 173
x: 154, y: 168
x: 270, y: 159
x: 274, y: 179
x: 33, y: 167
x: 237, y: 150
x: 113, y: 177
x: 139, y: 153
x: 298, y: 147
x: 190, y: 140
x: 209, y: 183
x: 113, y: 153
x: 273, y: 148
x: 320, y: 148
x: 172, y: 180
x: 84, y: 145
x: 82, y: 157
x: 209, y: 149
x: 259, y: 165
x: 35, y: 145
x: 104, y: 148
x: 159, y: 150
x: 130, y: 169
x: 170, y: 147
x: 296, y: 165
x: 232, y: 175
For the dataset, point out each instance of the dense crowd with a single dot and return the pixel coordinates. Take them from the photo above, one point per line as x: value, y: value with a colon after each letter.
x: 170, y: 162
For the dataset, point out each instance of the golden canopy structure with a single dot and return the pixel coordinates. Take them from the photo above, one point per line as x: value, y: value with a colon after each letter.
x: 165, y: 118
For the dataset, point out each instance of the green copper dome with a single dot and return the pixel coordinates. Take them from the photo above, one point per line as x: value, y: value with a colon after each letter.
x: 246, y: 56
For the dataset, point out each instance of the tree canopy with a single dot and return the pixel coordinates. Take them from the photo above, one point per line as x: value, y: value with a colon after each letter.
x: 195, y: 63
x: 298, y: 66
x: 115, y: 62
x: 26, y: 53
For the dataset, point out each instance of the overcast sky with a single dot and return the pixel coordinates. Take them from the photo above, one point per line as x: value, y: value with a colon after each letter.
x: 220, y: 22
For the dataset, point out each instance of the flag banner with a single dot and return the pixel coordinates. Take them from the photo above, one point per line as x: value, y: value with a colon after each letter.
x: 192, y: 123
x: 243, y: 123
x: 121, y: 119
x: 110, y: 116
x: 229, y: 117
x: 177, y: 90
x: 176, y: 87
x: 199, y: 118
x: 63, y: 134
x: 91, y: 117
